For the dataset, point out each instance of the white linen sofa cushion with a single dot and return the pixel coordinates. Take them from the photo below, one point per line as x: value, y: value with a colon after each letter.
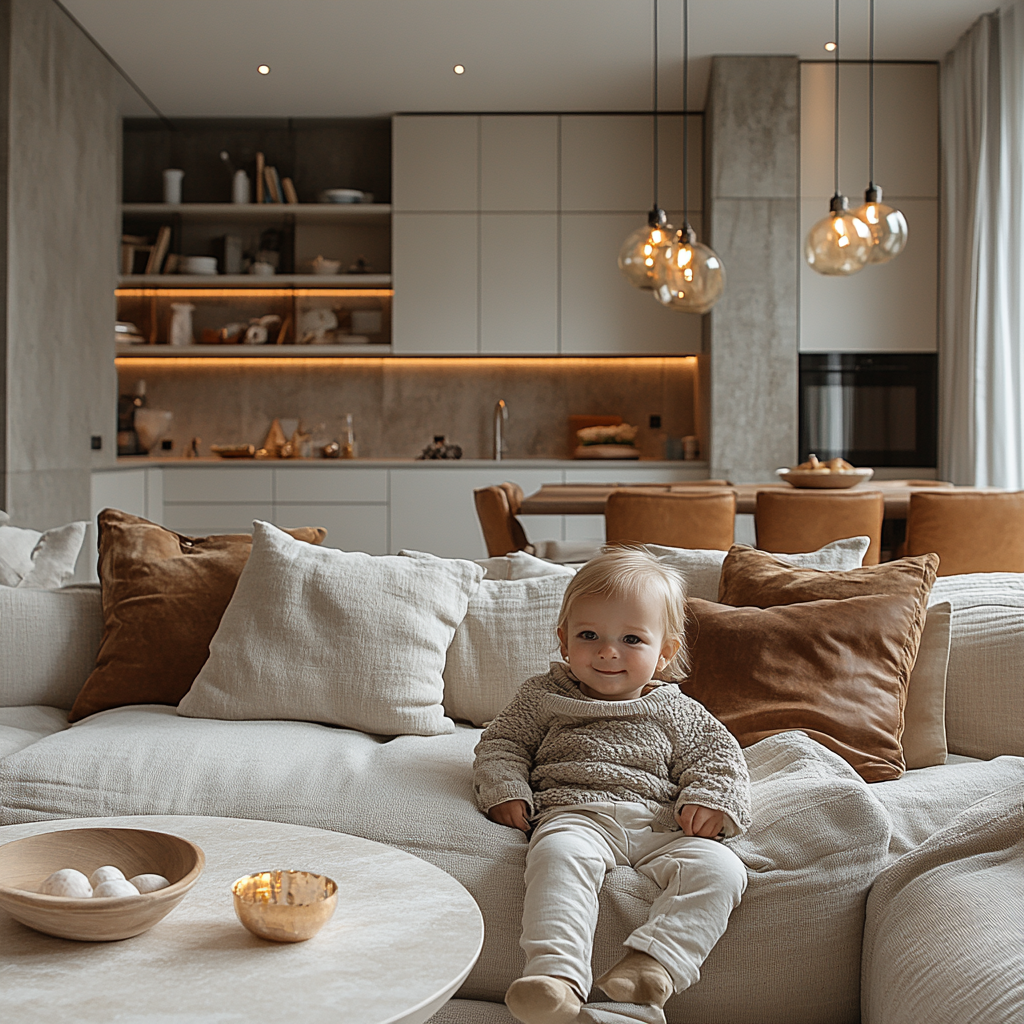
x: 21, y: 727
x: 41, y: 561
x: 985, y: 679
x: 924, y: 715
x: 341, y: 637
x: 48, y: 644
x: 702, y: 567
x: 521, y: 565
x: 507, y: 636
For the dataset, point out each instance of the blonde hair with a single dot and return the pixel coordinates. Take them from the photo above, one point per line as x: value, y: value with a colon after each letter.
x: 633, y: 572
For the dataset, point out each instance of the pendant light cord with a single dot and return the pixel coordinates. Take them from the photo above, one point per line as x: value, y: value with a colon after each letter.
x: 871, y: 98
x: 686, y: 132
x: 836, y: 115
x: 655, y: 19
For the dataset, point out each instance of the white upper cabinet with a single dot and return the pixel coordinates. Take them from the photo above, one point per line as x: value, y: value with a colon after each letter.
x: 519, y: 163
x: 435, y: 163
x: 608, y: 161
x: 435, y: 267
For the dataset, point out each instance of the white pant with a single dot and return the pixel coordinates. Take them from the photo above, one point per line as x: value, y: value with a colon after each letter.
x: 570, y: 852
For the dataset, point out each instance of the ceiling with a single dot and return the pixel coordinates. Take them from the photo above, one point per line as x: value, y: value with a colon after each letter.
x: 357, y: 58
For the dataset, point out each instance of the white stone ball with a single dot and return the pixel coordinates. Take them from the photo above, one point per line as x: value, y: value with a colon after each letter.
x: 105, y: 874
x: 115, y: 887
x: 67, y: 882
x: 149, y: 883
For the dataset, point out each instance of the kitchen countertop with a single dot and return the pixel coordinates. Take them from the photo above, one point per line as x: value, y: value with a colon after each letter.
x: 144, y: 461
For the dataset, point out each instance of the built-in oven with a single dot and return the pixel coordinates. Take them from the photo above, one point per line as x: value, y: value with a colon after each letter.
x: 870, y: 409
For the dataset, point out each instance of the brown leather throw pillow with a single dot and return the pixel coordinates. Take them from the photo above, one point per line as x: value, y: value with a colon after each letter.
x: 163, y: 598
x: 832, y: 669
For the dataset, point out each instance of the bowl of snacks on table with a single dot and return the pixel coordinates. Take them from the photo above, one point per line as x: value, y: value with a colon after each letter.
x: 833, y: 474
x: 96, y: 884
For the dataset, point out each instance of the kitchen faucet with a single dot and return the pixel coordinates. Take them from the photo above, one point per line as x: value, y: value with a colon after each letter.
x: 500, y: 419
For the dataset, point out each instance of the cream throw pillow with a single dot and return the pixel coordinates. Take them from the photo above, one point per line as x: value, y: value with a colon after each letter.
x: 507, y: 636
x: 703, y: 567
x: 320, y: 635
x: 924, y: 716
x: 39, y: 561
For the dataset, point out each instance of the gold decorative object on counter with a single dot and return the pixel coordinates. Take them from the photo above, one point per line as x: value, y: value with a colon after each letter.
x: 274, y: 441
x: 285, y: 906
x: 234, y: 451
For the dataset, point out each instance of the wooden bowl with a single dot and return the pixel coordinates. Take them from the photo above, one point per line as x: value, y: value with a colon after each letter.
x: 26, y: 863
x: 830, y: 479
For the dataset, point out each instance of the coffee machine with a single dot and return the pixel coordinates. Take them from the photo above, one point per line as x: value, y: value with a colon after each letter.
x: 127, y: 437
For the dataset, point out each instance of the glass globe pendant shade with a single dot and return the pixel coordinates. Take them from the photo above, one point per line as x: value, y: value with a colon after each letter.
x: 688, y: 277
x: 636, y: 257
x: 888, y: 226
x: 839, y: 244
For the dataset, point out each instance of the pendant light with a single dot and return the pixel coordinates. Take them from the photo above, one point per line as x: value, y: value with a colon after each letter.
x: 841, y: 243
x: 888, y: 226
x: 636, y: 257
x: 688, y: 277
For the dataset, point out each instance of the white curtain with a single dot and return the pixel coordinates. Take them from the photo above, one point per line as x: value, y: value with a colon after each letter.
x: 981, y: 341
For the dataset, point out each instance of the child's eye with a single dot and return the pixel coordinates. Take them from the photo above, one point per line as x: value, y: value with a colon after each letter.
x: 632, y: 638
x: 587, y: 634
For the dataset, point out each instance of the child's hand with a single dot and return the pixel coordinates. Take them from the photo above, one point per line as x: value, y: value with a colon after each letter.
x: 511, y: 813
x: 695, y: 820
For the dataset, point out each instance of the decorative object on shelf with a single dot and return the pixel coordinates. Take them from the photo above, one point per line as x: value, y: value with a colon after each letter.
x: 688, y: 277
x: 359, y: 267
x: 290, y: 195
x: 315, y: 325
x: 888, y: 226
x: 126, y: 331
x: 440, y: 449
x: 152, y: 426
x: 127, y: 408
x: 349, y: 447
x: 839, y: 244
x: 275, y: 440
x: 285, y: 906
x: 205, y: 266
x: 341, y: 195
x: 636, y: 257
x: 258, y: 331
x: 234, y: 451
x: 259, y: 177
x: 322, y: 265
x: 192, y: 450
x: 172, y: 185
x: 607, y: 442
x: 240, y: 188
x: 691, y: 447
x: 261, y: 269
x: 180, y: 332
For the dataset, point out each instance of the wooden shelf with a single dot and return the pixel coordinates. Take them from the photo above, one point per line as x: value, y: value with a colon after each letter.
x: 123, y: 350
x: 324, y: 281
x: 366, y: 213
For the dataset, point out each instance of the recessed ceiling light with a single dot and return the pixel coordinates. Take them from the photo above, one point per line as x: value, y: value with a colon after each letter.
x: 459, y: 69
x: 264, y: 69
x: 830, y: 46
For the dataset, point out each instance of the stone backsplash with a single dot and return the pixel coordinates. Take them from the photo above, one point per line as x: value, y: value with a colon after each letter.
x: 398, y: 405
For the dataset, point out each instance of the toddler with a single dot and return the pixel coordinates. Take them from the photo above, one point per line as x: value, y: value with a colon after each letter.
x: 611, y: 771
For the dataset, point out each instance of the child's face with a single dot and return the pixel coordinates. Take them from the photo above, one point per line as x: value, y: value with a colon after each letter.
x: 614, y: 645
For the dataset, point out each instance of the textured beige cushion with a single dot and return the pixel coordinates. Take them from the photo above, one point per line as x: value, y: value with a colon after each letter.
x: 341, y: 637
x: 985, y: 680
x: 48, y: 644
x: 924, y: 716
x: 521, y: 565
x: 39, y: 561
x: 507, y: 636
x: 21, y: 727
x: 703, y: 568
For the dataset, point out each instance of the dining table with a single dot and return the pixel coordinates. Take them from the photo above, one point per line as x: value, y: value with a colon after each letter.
x: 589, y: 499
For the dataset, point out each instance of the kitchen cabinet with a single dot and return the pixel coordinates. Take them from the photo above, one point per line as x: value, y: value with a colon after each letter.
x: 435, y: 163
x: 519, y: 163
x: 436, y: 261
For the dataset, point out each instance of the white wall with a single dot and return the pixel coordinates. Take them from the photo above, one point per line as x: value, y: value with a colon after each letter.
x: 890, y: 307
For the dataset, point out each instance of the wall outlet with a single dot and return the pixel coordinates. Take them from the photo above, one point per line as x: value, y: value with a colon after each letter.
x: 655, y: 423
x: 96, y: 443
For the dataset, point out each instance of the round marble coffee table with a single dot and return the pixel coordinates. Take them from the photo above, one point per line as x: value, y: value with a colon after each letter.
x: 402, y: 940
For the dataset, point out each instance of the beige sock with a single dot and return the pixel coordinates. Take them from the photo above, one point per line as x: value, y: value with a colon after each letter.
x: 637, y: 978
x: 541, y: 1000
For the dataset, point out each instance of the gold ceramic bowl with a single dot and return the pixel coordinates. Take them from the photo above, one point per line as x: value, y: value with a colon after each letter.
x: 285, y: 906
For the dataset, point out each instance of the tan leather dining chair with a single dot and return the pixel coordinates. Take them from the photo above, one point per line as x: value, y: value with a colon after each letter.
x: 678, y: 519
x: 970, y: 532
x: 497, y: 509
x: 792, y: 521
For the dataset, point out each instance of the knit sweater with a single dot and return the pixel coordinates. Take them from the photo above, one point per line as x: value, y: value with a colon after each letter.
x: 553, y: 746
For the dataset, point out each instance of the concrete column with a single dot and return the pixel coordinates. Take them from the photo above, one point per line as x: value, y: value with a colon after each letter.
x: 749, y: 369
x: 59, y: 158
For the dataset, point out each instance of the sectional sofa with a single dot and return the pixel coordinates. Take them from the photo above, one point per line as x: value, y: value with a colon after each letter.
x: 889, y: 902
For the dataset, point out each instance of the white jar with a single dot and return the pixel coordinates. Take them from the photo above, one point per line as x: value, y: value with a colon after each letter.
x: 172, y: 185
x: 240, y: 187
x: 181, y: 324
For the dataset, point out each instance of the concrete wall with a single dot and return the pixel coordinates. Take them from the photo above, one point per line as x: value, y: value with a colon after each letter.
x: 749, y: 370
x: 59, y: 169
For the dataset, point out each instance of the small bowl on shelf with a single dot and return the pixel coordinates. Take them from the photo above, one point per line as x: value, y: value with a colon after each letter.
x: 341, y: 195
x: 828, y: 479
x: 285, y: 906
x: 26, y: 863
